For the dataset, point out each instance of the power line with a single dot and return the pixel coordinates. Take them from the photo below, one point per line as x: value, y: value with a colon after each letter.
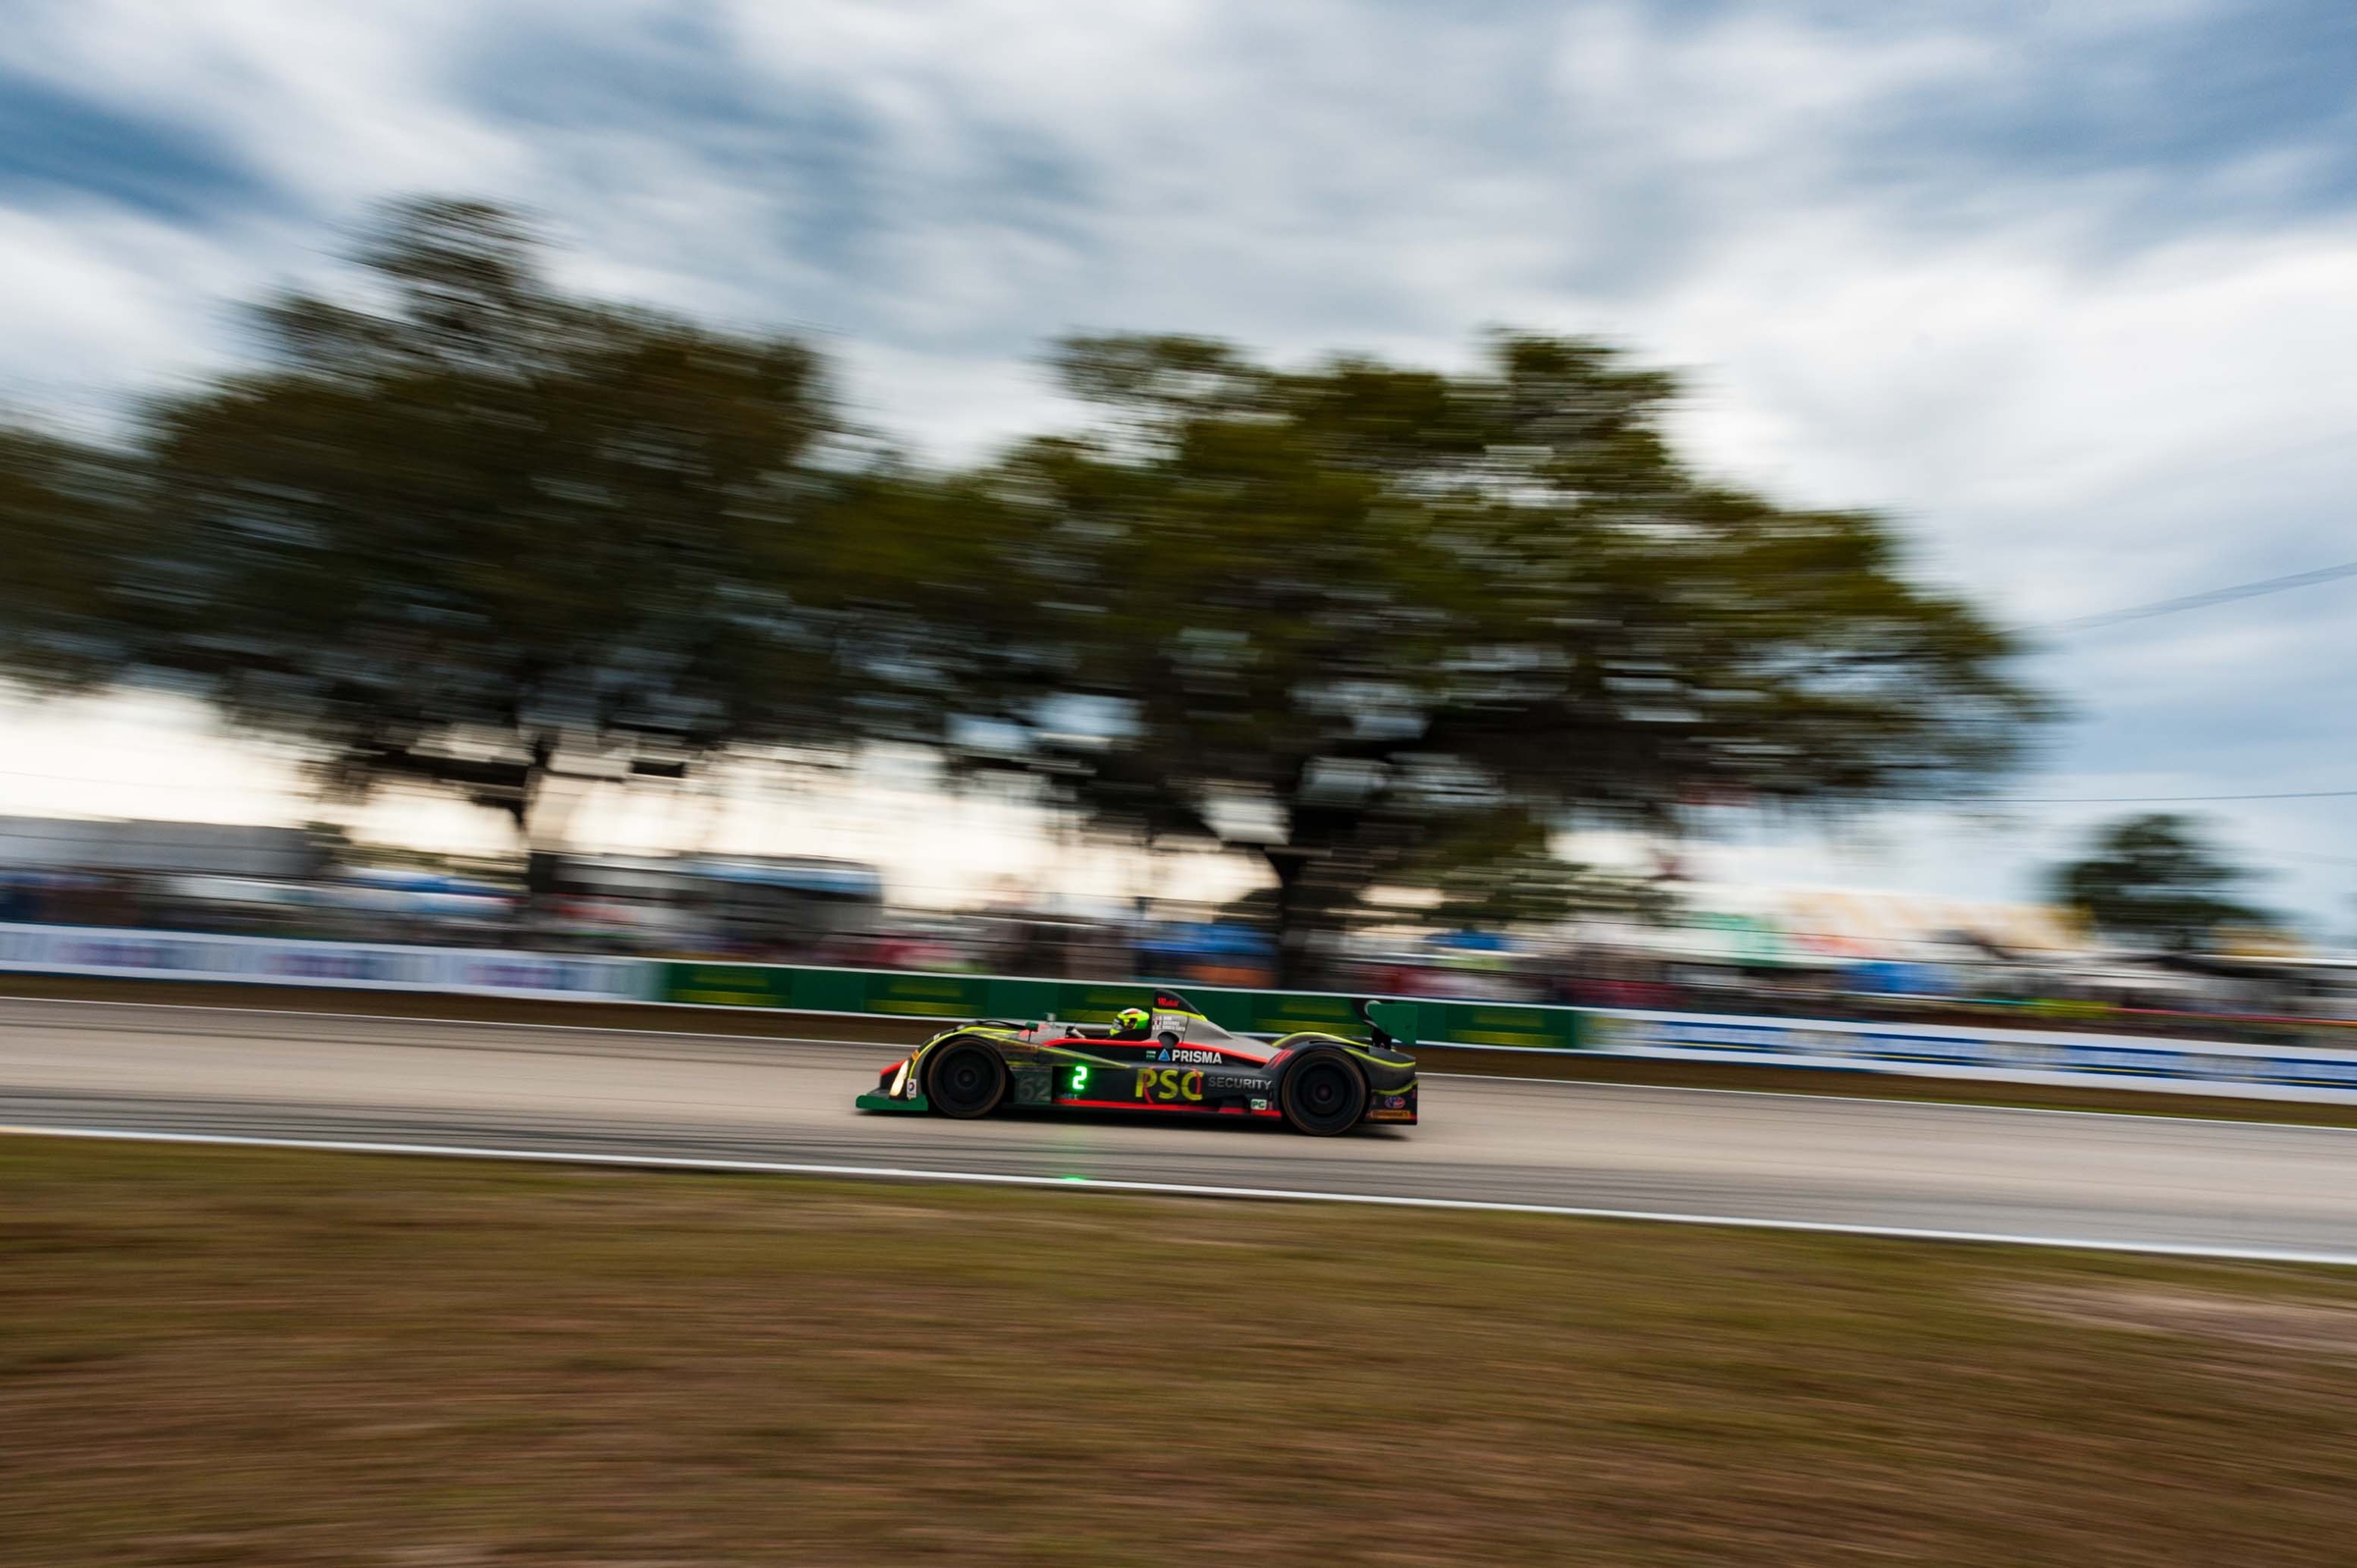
x: 2309, y: 854
x: 2199, y: 601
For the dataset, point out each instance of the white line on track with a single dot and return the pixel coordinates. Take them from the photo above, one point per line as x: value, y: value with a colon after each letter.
x: 1173, y: 1189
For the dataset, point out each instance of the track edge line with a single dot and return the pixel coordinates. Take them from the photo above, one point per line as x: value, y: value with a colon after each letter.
x: 718, y: 1167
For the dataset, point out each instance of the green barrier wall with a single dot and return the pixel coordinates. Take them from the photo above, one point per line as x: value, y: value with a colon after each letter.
x: 1502, y: 1025
x: 889, y: 993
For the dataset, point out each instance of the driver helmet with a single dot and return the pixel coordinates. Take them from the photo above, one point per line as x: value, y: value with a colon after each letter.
x: 1131, y: 1021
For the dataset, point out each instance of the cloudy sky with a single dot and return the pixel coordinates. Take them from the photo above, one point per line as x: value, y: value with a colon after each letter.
x: 2070, y: 290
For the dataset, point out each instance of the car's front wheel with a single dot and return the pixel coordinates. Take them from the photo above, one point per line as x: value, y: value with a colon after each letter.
x: 1323, y: 1095
x: 966, y: 1080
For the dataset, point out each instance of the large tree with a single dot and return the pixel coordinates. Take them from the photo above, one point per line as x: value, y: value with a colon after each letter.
x: 2153, y: 878
x: 461, y: 526
x: 1359, y: 618
x: 70, y: 512
x: 1366, y: 622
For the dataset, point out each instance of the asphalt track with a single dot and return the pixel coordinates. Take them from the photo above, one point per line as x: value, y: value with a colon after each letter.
x: 2158, y: 1182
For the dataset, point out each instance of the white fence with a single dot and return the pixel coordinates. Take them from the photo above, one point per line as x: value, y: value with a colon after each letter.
x: 2016, y: 1056
x: 366, y: 966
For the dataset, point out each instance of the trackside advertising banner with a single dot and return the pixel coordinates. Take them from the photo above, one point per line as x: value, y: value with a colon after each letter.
x: 2021, y: 1055
x: 2016, y: 1054
x: 894, y: 995
x: 886, y: 994
x: 274, y: 961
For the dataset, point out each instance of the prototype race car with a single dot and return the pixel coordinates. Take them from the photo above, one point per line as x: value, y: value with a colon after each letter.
x: 1171, y: 1060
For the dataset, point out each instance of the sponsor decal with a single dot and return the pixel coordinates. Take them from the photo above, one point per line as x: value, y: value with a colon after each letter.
x: 1168, y: 1086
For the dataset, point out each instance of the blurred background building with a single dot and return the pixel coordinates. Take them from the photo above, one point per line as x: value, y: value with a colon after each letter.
x: 1724, y: 947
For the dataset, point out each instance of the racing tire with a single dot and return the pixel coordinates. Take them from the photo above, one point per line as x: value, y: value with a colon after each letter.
x: 967, y: 1080
x: 1323, y: 1095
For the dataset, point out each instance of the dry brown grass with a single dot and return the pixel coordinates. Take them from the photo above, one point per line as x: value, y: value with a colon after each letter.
x: 2311, y: 1328
x: 290, y: 1359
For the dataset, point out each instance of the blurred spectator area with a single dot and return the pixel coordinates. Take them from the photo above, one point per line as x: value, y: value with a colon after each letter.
x: 218, y: 849
x: 67, y: 871
x: 1802, y: 953
x: 786, y: 907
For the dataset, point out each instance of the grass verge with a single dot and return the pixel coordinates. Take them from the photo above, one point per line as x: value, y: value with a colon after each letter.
x: 269, y: 1358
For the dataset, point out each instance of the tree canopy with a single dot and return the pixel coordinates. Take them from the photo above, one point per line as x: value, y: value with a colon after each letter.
x: 2153, y: 878
x: 69, y: 515
x: 1369, y: 622
x: 464, y: 528
x: 1374, y: 624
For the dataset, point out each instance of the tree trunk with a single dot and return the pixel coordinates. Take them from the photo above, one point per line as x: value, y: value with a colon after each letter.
x: 1296, y: 924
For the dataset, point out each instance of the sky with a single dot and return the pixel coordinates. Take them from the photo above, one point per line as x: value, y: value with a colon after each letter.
x: 2070, y: 291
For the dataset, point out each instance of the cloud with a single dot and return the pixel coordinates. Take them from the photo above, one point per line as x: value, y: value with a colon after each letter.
x: 105, y: 301
x: 57, y: 146
x: 2062, y: 287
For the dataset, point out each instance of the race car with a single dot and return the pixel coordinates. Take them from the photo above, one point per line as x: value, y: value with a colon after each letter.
x: 1171, y: 1061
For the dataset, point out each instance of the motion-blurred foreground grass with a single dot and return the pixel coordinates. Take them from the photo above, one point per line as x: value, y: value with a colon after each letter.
x: 260, y: 1359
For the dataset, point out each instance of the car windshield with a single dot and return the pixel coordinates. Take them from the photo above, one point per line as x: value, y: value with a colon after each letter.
x: 1191, y: 1027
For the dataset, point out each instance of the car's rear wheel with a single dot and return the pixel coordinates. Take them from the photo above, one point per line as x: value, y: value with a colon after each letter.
x: 966, y: 1080
x: 1323, y: 1095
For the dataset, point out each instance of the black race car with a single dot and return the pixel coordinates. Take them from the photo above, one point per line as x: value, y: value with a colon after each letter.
x: 1172, y: 1061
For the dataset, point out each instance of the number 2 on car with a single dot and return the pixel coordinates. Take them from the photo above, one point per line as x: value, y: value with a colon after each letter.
x: 1168, y: 1085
